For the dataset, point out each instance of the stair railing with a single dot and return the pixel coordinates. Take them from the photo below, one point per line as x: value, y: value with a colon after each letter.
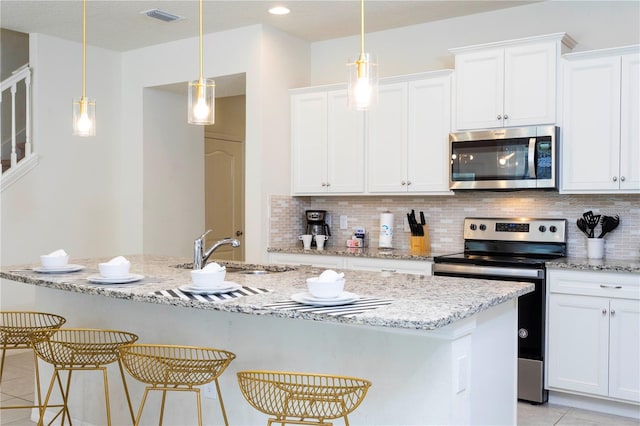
x: 11, y: 83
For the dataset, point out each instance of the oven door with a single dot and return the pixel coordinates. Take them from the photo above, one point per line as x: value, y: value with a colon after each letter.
x: 531, y: 320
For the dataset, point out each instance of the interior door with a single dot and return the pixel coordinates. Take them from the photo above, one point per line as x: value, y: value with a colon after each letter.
x: 224, y: 189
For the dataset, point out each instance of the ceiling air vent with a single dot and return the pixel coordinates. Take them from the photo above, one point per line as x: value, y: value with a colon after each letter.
x: 162, y: 15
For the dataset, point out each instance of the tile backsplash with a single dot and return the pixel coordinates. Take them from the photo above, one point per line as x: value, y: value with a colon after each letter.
x: 445, y: 214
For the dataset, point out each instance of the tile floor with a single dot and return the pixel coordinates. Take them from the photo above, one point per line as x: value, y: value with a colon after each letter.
x: 17, y: 389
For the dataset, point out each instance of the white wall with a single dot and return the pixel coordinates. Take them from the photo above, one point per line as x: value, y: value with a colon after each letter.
x: 424, y: 47
x: 173, y: 182
x: 273, y: 62
x: 70, y: 200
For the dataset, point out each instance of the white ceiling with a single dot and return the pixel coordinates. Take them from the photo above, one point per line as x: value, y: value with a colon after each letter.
x: 118, y: 24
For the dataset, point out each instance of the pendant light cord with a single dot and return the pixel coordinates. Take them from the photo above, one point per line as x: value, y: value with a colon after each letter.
x: 84, y: 48
x: 201, y: 69
x: 362, y: 26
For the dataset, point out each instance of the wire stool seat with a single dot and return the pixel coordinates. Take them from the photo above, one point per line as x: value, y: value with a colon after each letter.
x: 175, y: 368
x: 15, y: 328
x: 294, y: 397
x: 81, y: 349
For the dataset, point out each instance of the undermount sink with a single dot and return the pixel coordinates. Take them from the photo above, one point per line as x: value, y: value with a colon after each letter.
x: 247, y: 269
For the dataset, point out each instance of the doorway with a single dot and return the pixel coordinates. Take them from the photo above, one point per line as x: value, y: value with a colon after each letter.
x: 224, y: 154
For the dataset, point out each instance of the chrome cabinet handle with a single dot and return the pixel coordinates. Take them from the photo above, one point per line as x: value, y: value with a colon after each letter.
x: 604, y: 311
x: 408, y: 182
x: 403, y: 183
x: 506, y: 117
x: 610, y: 286
x: 387, y: 270
x: 499, y: 117
x: 328, y: 184
x: 613, y: 312
x: 615, y: 178
x: 621, y: 178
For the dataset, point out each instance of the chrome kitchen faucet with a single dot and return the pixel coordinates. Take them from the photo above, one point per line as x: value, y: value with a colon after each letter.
x: 200, y: 256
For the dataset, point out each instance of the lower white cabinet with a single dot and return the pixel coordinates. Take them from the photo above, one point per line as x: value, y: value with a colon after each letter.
x: 417, y: 267
x: 593, y: 334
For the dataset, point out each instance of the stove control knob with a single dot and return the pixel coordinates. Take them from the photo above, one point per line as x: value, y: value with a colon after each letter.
x: 553, y: 229
x: 483, y: 227
x: 473, y: 227
x: 542, y: 228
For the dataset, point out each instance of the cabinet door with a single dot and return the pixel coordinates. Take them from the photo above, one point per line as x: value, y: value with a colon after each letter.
x: 345, y: 145
x: 479, y: 89
x: 309, y: 142
x: 428, y: 137
x: 530, y: 74
x: 387, y: 140
x: 630, y: 124
x: 591, y: 125
x: 624, y: 364
x: 578, y: 343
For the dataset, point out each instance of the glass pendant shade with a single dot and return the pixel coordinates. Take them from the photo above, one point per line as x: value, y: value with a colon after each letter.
x: 84, y: 117
x: 201, y: 104
x: 363, y: 82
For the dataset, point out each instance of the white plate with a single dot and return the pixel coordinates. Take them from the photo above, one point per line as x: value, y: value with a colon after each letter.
x: 227, y: 287
x: 99, y: 279
x: 308, y: 299
x: 59, y: 269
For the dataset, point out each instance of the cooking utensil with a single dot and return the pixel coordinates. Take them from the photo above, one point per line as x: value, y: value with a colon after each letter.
x: 609, y: 223
x: 582, y: 225
x: 592, y: 221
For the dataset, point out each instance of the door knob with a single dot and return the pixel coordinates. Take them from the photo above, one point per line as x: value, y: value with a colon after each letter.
x: 239, y: 233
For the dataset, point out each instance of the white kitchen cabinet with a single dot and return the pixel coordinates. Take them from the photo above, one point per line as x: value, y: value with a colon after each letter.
x: 327, y: 143
x: 511, y: 83
x: 416, y: 267
x: 601, y: 134
x: 593, y: 327
x: 407, y: 143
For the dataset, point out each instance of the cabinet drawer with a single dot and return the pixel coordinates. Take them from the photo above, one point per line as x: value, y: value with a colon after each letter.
x: 594, y: 283
x: 419, y: 267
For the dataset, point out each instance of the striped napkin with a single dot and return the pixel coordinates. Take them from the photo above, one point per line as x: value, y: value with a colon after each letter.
x: 244, y: 291
x: 361, y: 305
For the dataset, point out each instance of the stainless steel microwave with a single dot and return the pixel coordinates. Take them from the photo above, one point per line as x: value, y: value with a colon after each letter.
x: 504, y: 159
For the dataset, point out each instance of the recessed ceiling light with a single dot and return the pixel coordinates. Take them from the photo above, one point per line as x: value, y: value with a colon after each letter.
x: 279, y: 10
x: 162, y: 15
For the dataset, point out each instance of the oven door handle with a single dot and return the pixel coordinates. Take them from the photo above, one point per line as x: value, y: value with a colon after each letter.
x: 481, y: 271
x: 532, y: 158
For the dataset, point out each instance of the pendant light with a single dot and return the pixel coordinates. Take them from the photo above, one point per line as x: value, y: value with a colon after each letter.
x: 363, y: 75
x: 201, y: 94
x: 84, y: 109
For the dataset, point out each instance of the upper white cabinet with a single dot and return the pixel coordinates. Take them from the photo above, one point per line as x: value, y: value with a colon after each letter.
x: 327, y: 143
x: 600, y: 129
x: 512, y: 83
x: 407, y: 143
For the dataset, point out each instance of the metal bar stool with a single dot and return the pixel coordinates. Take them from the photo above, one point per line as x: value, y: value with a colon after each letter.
x: 80, y: 349
x: 302, y: 398
x: 15, y: 327
x: 175, y: 368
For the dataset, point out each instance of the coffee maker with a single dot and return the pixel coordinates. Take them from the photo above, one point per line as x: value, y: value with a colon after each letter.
x: 316, y: 224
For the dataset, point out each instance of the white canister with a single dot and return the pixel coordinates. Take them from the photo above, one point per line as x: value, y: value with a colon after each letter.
x: 386, y: 230
x: 595, y: 248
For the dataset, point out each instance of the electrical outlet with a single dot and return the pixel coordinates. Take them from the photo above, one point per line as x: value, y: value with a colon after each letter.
x: 343, y: 222
x: 209, y: 390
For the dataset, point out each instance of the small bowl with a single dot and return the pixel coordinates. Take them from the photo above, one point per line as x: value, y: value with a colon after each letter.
x: 114, y: 270
x: 325, y: 289
x: 48, y: 261
x: 207, y: 279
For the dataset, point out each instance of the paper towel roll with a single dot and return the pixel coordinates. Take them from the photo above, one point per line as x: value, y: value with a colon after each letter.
x: 386, y: 230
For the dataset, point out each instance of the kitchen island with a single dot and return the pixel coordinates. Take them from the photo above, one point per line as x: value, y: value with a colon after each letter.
x: 438, y: 350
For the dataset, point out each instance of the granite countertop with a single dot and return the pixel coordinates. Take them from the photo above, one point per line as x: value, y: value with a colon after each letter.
x: 417, y: 302
x: 575, y: 263
x: 372, y: 252
x: 584, y: 264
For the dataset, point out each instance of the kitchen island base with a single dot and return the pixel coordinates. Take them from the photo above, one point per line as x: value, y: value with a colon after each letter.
x: 462, y: 373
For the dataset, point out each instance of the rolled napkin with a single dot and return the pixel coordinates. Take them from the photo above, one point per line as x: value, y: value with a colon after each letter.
x: 213, y: 267
x: 330, y: 276
x: 57, y: 253
x: 118, y: 260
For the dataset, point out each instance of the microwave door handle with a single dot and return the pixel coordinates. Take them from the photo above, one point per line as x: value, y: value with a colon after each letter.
x: 532, y: 158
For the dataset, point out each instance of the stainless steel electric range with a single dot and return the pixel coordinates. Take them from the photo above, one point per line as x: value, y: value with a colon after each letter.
x: 514, y: 249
